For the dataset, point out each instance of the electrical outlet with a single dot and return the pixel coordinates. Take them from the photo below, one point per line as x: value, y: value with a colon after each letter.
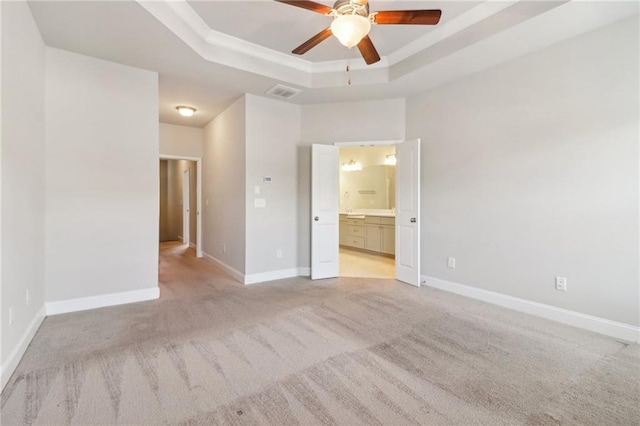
x: 279, y: 253
x: 27, y: 297
x: 11, y: 315
x: 451, y: 262
x: 561, y: 284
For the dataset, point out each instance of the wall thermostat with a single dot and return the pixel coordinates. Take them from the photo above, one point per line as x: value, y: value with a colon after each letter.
x: 266, y: 179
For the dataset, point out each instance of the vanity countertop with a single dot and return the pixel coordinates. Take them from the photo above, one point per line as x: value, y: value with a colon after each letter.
x: 363, y: 214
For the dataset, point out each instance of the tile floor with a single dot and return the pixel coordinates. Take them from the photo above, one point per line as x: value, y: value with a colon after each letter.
x: 355, y: 263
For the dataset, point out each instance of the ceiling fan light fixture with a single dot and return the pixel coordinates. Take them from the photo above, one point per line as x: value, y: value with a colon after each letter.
x: 350, y: 29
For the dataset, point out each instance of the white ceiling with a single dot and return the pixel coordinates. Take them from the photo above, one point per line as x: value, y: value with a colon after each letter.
x: 209, y: 53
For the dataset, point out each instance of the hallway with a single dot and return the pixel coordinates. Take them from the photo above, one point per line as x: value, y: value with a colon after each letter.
x: 340, y: 351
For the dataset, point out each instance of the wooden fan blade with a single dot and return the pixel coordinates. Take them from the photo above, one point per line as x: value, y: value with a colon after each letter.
x: 368, y: 51
x: 312, y: 42
x: 410, y: 17
x: 309, y: 5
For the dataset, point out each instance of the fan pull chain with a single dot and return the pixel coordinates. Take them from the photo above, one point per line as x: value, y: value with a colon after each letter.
x: 348, y: 75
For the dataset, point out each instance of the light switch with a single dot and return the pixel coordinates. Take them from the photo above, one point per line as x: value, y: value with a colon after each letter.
x: 256, y: 189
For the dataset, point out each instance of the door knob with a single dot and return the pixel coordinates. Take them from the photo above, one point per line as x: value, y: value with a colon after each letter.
x: 413, y: 220
x: 316, y: 218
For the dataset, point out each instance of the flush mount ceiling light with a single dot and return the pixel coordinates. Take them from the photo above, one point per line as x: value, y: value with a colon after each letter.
x: 351, y: 166
x: 186, y: 111
x: 352, y: 23
x: 390, y: 160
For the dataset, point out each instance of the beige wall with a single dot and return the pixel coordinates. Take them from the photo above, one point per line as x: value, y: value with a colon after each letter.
x: 273, y: 134
x: 171, y: 205
x: 224, y: 165
x: 181, y: 141
x: 530, y: 171
x: 22, y: 181
x: 93, y: 214
x: 174, y: 201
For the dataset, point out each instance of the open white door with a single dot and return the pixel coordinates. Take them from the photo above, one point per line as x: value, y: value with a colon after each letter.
x: 408, y: 212
x: 198, y: 208
x: 324, y: 211
x: 185, y: 208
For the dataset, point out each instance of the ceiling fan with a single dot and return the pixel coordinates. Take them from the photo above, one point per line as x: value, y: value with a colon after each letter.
x: 352, y: 23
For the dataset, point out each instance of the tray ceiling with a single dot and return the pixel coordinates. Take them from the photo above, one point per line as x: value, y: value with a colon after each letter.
x: 282, y: 28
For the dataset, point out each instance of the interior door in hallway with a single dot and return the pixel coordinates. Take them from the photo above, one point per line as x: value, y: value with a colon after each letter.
x: 324, y: 211
x: 186, y: 231
x: 408, y: 212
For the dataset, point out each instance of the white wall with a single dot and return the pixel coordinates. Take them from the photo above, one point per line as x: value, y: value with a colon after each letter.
x: 354, y: 121
x: 223, y: 187
x: 342, y: 122
x: 530, y: 170
x: 102, y: 223
x: 180, y: 140
x: 272, y: 138
x: 23, y: 182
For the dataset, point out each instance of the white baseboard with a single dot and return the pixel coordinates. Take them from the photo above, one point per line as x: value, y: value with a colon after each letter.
x: 228, y: 269
x: 304, y: 271
x: 260, y: 277
x: 576, y: 319
x: 276, y: 275
x: 13, y: 359
x: 93, y: 302
x: 192, y: 245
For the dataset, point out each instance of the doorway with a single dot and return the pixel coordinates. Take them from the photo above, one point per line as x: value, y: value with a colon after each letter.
x: 180, y: 186
x: 325, y: 209
x: 367, y: 211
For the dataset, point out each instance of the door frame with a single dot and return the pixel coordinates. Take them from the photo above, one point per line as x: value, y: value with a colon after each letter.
x: 365, y: 144
x: 198, y: 161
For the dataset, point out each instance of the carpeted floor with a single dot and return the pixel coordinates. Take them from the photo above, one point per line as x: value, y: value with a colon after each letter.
x: 345, y: 351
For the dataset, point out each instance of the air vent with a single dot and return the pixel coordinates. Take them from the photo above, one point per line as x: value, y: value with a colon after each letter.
x: 284, y: 92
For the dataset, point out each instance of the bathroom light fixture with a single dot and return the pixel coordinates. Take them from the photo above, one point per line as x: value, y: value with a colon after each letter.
x: 390, y: 160
x: 350, y: 29
x: 186, y: 111
x: 351, y: 166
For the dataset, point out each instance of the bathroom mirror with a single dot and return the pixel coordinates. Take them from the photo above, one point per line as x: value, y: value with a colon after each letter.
x: 366, y: 182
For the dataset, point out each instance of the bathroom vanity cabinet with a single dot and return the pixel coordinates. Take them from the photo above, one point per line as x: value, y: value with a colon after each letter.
x: 369, y: 232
